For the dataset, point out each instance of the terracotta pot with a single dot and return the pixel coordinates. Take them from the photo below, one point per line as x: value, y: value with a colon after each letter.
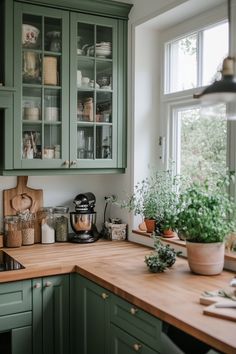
x: 205, y: 258
x: 150, y: 225
x: 168, y: 233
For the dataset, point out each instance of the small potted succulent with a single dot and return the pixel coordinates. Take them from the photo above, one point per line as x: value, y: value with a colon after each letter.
x: 205, y: 218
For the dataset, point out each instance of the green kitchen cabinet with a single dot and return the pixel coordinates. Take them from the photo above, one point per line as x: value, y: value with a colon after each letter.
x: 69, y: 76
x: 51, y: 315
x: 90, y: 329
x: 16, y: 317
x: 115, y: 325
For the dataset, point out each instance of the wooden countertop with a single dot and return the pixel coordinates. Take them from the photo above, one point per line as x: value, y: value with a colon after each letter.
x: 172, y: 296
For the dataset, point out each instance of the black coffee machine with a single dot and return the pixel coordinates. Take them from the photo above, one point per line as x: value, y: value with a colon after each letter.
x: 83, y: 219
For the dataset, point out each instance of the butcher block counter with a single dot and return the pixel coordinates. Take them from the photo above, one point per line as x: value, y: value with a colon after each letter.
x: 172, y: 296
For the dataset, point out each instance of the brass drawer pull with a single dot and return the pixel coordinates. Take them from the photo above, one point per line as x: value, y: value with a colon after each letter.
x: 37, y: 285
x: 104, y: 296
x: 137, y: 347
x: 133, y: 311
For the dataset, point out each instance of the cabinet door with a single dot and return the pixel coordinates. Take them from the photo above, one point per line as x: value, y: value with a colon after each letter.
x: 41, y: 71
x: 22, y: 340
x: 51, y: 315
x: 123, y: 343
x: 90, y: 329
x: 94, y: 91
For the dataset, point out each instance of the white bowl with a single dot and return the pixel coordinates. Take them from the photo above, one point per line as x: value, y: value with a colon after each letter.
x: 29, y: 36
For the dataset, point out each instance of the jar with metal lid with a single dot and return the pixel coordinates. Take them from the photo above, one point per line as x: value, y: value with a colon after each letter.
x: 61, y: 223
x: 12, y: 231
x: 47, y: 225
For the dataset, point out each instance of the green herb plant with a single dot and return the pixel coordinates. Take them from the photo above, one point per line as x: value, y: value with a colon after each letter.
x: 206, y: 213
x: 161, y: 258
x: 155, y: 196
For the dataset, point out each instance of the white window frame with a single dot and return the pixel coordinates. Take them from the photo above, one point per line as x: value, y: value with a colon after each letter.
x: 184, y: 99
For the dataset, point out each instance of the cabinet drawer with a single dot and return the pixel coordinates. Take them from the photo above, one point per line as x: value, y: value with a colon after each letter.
x: 137, y: 322
x: 15, y: 297
x: 17, y: 320
x: 122, y: 342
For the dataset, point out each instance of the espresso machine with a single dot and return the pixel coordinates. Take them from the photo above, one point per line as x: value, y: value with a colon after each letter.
x: 83, y: 219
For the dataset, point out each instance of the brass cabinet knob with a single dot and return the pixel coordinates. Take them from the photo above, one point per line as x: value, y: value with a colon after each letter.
x: 137, y: 347
x: 66, y: 163
x: 48, y: 284
x: 104, y: 296
x: 37, y: 285
x: 133, y: 311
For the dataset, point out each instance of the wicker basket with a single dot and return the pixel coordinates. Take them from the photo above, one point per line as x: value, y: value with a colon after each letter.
x: 50, y: 70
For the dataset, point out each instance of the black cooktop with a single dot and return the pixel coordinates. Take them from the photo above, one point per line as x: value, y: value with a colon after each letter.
x: 8, y: 263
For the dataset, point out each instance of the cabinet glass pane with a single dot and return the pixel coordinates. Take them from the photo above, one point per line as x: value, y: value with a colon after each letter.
x: 103, y: 42
x: 104, y: 75
x: 104, y: 107
x: 52, y: 105
x: 52, y: 142
x: 32, y: 32
x: 52, y: 35
x: 85, y: 143
x: 85, y: 106
x: 85, y: 39
x: 104, y: 142
x: 31, y: 67
x: 32, y: 104
x: 31, y: 141
x: 85, y: 73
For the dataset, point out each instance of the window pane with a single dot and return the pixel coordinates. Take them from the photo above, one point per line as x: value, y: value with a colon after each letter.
x: 202, y: 141
x: 215, y: 49
x: 182, y: 64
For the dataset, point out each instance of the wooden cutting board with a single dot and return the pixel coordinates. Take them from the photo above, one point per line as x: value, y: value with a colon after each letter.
x: 21, y: 198
x: 212, y: 310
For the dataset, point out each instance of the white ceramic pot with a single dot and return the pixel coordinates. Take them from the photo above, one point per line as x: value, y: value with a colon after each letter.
x: 206, y: 258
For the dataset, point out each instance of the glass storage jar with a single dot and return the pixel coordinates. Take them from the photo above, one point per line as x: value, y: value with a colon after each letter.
x: 47, y: 225
x: 61, y: 223
x: 12, y: 231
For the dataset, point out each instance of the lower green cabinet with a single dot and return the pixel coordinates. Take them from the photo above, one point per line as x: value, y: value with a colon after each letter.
x: 16, y: 318
x: 90, y: 329
x: 123, y: 343
x: 103, y: 323
x: 51, y: 315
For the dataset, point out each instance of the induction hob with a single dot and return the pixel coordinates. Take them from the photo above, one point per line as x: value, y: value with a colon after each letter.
x: 8, y: 263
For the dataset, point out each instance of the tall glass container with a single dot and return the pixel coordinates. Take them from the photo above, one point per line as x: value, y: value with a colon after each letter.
x: 61, y: 223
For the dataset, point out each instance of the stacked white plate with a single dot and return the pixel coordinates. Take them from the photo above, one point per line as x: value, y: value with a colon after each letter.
x: 103, y: 49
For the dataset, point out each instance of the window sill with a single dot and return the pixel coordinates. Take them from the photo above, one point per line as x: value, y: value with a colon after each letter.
x: 229, y: 256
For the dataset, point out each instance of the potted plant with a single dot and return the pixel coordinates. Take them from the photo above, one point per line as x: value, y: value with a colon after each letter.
x: 154, y: 197
x: 204, y: 219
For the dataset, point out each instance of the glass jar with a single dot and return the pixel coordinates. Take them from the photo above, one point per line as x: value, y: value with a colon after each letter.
x: 12, y: 231
x: 61, y: 223
x: 47, y: 225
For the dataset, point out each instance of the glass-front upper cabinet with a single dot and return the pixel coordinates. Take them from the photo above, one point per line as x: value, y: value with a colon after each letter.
x: 94, y: 91
x: 42, y: 107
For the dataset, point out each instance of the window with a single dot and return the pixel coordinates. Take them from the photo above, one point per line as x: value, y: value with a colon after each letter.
x: 197, y: 137
x: 194, y: 59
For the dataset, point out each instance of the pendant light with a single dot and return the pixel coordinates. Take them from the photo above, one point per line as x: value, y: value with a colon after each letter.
x: 223, y: 90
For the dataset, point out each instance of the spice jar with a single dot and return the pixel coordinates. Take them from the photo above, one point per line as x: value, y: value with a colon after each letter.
x: 61, y: 223
x: 47, y: 225
x: 12, y: 231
